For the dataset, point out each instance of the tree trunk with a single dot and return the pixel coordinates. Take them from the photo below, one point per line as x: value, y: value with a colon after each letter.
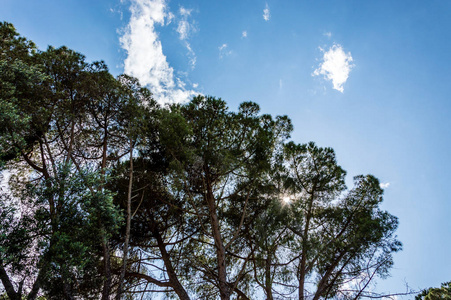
x: 71, y: 142
x: 224, y: 288
x: 175, y: 283
x: 268, y: 281
x: 303, y: 266
x: 106, y: 291
x: 12, y: 294
x: 127, y: 229
x: 35, y: 289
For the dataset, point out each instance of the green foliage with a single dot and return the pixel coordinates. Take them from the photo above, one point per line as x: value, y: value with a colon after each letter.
x: 67, y: 240
x: 12, y: 45
x: 221, y: 206
x: 71, y: 253
x: 15, y: 236
x: 20, y: 88
x: 443, y: 292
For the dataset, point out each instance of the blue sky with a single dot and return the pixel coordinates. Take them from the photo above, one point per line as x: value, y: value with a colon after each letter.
x: 380, y: 96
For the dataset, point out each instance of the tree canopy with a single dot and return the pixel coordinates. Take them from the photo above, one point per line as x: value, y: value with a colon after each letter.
x: 443, y: 292
x: 112, y: 195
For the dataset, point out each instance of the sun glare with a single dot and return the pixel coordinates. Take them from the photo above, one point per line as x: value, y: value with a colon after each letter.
x: 286, y: 200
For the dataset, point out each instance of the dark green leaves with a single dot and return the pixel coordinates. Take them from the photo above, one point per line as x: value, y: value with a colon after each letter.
x: 444, y: 292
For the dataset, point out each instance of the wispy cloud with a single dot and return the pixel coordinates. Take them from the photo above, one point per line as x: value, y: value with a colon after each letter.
x: 328, y: 34
x: 184, y: 29
x: 224, y: 50
x: 145, y: 59
x: 244, y: 34
x: 384, y: 185
x: 185, y: 11
x: 117, y: 11
x: 191, y: 54
x: 335, y: 66
x: 266, y: 13
x: 170, y: 16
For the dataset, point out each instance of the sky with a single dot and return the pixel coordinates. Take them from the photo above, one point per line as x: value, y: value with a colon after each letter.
x: 371, y: 79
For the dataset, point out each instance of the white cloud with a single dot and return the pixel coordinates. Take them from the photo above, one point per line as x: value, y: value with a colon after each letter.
x: 336, y: 66
x: 184, y: 28
x: 384, y: 185
x: 328, y: 34
x: 191, y: 54
x: 244, y: 34
x: 145, y: 59
x: 195, y: 85
x: 170, y: 16
x: 185, y: 12
x: 266, y: 13
x: 224, y: 50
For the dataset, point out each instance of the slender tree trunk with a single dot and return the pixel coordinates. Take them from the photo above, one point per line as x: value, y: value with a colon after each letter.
x: 303, y: 263
x: 104, y: 149
x: 301, y: 272
x: 71, y: 142
x: 36, y: 286
x: 12, y: 294
x: 268, y: 281
x: 224, y: 288
x: 323, y: 283
x: 106, y: 291
x: 127, y: 229
x: 175, y: 283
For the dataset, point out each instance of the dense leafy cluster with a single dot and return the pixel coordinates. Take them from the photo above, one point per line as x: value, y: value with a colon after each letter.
x: 113, y: 196
x: 443, y: 292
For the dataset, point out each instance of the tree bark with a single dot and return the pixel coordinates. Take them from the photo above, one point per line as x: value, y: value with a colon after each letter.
x: 173, y: 280
x: 7, y: 284
x: 224, y: 289
x: 35, y: 289
x: 106, y: 291
x: 127, y: 229
x: 303, y: 266
x: 268, y: 281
